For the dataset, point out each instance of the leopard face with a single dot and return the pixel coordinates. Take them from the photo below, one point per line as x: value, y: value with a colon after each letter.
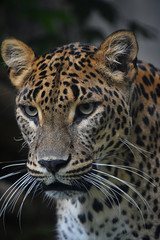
x: 72, y: 107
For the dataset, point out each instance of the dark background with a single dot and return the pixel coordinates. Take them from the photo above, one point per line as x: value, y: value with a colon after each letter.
x: 43, y: 25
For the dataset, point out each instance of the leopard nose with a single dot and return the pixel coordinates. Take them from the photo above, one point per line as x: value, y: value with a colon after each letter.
x: 54, y: 165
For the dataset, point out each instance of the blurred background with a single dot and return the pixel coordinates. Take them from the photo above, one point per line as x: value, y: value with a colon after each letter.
x: 45, y: 24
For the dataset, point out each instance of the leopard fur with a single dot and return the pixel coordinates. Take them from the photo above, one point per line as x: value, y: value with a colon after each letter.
x: 91, y: 118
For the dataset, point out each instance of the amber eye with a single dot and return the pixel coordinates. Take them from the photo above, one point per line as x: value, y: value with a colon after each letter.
x: 86, y: 108
x: 31, y: 111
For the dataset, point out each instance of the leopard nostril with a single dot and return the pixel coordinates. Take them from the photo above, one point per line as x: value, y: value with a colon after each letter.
x: 54, y: 165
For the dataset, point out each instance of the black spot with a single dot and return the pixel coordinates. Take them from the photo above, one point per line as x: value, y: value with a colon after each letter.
x: 82, y: 218
x: 142, y: 67
x: 40, y: 62
x: 157, y: 232
x: 115, y: 220
x: 90, y: 216
x: 74, y: 80
x: 97, y: 206
x: 135, y: 234
x: 43, y: 66
x: 46, y: 100
x: 89, y: 95
x: 65, y: 91
x: 66, y: 83
x: 38, y: 83
x: 112, y: 113
x: 75, y: 91
x: 151, y: 79
x: 146, y: 120
x: 43, y: 73
x: 73, y: 75
x: 158, y: 90
x: 56, y: 65
x: 151, y: 110
x: 99, y: 89
x: 47, y: 108
x: 47, y: 84
x: 83, y: 90
x: 146, y: 81
x: 92, y: 74
x: 61, y: 98
x: 113, y: 101
x: 100, y: 81
x: 50, y: 92
x: 119, y: 109
x: 82, y: 199
x: 138, y: 129
x: 77, y: 67
x: 144, y: 92
x: 154, y: 97
x: 126, y: 131
x: 105, y: 98
x: 36, y: 91
x: 146, y: 237
x: 124, y: 212
x: 152, y: 71
x: 43, y: 94
x: 82, y: 65
x: 116, y: 94
x: 141, y: 106
x: 140, y: 142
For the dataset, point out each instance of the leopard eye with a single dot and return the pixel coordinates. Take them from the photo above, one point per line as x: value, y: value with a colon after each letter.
x: 86, y: 108
x: 31, y: 111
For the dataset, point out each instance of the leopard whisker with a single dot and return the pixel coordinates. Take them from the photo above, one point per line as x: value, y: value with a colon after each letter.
x: 19, y: 191
x: 48, y: 201
x: 129, y: 186
x: 128, y: 169
x: 37, y: 188
x: 124, y: 182
x: 14, y: 161
x: 24, y: 144
x: 129, y: 145
x: 100, y: 178
x: 109, y: 196
x: 99, y: 186
x: 18, y: 139
x: 11, y: 191
x: 124, y: 195
x: 13, y: 165
x: 34, y: 182
x: 13, y: 185
x: 12, y: 174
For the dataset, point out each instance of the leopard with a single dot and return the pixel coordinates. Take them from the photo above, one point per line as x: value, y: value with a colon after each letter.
x: 91, y: 117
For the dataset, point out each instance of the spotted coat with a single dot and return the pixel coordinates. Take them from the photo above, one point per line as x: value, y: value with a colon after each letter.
x: 91, y: 119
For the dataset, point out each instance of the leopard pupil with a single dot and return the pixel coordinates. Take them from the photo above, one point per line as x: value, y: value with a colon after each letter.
x: 86, y: 106
x: 32, y: 109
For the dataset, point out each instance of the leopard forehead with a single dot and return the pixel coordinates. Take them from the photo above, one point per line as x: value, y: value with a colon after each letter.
x: 66, y: 74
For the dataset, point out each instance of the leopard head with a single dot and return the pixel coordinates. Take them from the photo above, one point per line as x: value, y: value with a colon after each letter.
x: 72, y: 107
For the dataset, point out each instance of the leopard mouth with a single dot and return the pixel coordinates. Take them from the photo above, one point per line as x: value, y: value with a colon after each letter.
x: 58, y: 186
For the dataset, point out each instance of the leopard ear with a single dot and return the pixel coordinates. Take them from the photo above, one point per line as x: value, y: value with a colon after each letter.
x: 118, y: 51
x: 19, y: 58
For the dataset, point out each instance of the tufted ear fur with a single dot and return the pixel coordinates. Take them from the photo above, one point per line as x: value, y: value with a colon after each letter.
x: 117, y: 54
x: 19, y: 58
